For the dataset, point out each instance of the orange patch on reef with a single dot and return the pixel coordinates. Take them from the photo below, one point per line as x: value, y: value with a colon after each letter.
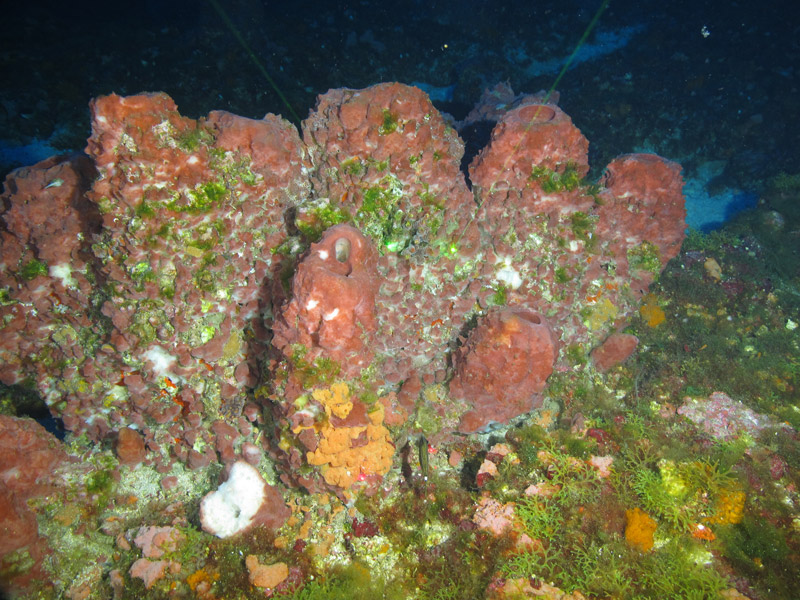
x: 701, y: 532
x: 201, y: 576
x: 347, y: 454
x: 729, y: 508
x: 651, y: 312
x: 640, y: 529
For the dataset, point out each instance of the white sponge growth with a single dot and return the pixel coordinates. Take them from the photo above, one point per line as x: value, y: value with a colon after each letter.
x: 233, y: 506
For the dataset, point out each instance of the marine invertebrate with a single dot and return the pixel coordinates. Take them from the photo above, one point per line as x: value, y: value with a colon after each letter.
x: 332, y: 310
x: 130, y: 447
x: 241, y: 501
x: 729, y: 508
x: 265, y: 576
x: 352, y: 446
x: 502, y: 366
x: 30, y: 459
x: 167, y: 270
x: 639, y: 529
x: 615, y: 349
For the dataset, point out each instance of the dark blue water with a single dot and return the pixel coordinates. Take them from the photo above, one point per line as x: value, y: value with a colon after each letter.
x: 713, y: 85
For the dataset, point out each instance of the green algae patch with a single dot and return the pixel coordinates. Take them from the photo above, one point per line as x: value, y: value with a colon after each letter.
x: 577, y: 513
x: 419, y: 525
x: 582, y: 226
x: 645, y: 257
x: 193, y: 138
x: 100, y: 484
x: 145, y: 210
x: 140, y: 273
x: 382, y: 218
x: 553, y: 182
x: 311, y: 373
x: 500, y: 296
x: 354, y: 581
x: 389, y: 124
x: 232, y: 166
x: 203, y: 198
x: 353, y: 167
x: 396, y: 221
x: 561, y: 275
x: 32, y: 269
x: 745, y: 319
x: 319, y: 216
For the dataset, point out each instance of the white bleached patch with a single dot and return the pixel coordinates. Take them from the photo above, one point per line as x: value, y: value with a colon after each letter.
x: 63, y: 272
x: 331, y: 315
x: 193, y: 160
x: 312, y: 304
x: 323, y: 254
x: 160, y: 360
x: 509, y: 277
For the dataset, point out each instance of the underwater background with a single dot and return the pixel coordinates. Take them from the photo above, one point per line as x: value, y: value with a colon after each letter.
x: 666, y: 468
x: 709, y: 85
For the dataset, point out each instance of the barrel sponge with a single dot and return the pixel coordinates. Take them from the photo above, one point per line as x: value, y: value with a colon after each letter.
x: 502, y: 366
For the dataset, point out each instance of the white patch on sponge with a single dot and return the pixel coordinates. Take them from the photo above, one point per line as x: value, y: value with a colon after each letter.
x: 160, y: 360
x: 63, y: 272
x: 236, y: 502
x: 509, y: 277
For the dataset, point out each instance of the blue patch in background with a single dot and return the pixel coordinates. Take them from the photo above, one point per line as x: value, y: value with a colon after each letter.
x: 706, y: 212
x: 29, y: 154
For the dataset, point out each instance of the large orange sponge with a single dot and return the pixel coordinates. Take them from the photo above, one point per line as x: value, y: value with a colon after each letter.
x: 347, y: 454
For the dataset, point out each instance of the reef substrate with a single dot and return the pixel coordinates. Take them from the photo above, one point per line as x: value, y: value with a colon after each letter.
x: 304, y: 313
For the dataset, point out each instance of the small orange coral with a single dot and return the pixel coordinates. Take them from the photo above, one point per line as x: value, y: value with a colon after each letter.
x: 640, y: 529
x: 651, y: 312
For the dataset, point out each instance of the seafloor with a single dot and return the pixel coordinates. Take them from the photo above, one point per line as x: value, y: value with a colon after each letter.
x: 671, y: 471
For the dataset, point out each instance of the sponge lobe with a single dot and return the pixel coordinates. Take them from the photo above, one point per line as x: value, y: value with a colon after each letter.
x: 233, y: 507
